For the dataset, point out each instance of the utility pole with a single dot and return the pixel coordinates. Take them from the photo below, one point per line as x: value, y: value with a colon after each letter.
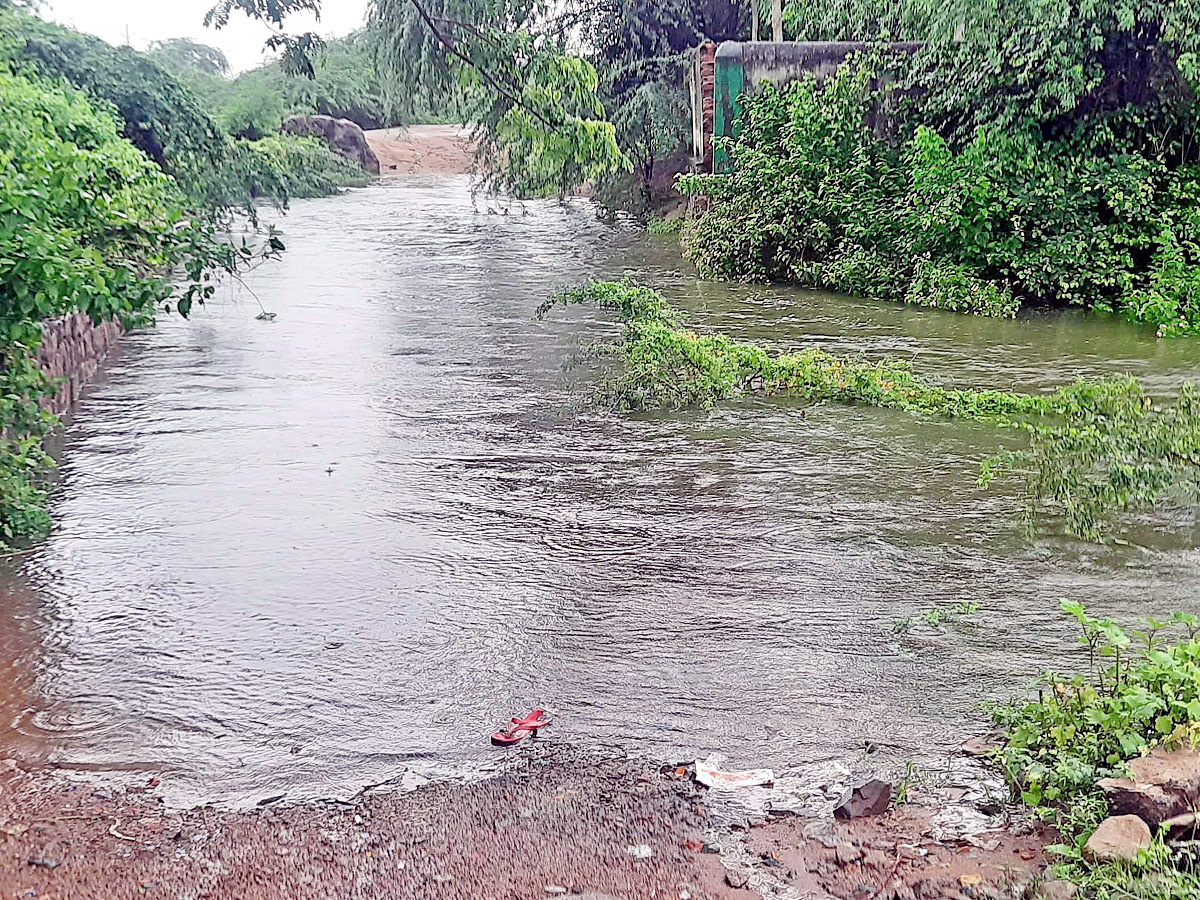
x: 754, y: 11
x: 777, y: 21
x: 127, y: 44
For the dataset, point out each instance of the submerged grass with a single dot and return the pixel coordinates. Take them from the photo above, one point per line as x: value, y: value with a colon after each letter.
x: 1097, y: 447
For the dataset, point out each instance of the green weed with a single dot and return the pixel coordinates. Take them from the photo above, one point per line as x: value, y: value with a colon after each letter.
x: 1097, y: 448
x: 1141, y: 691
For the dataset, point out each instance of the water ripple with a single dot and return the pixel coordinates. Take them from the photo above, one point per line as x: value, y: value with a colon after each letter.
x: 302, y: 556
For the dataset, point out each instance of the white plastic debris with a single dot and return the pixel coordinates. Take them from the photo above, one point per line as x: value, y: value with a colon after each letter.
x: 708, y: 773
x: 640, y: 851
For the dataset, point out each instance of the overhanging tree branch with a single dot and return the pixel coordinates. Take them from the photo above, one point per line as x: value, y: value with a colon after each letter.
x: 496, y: 85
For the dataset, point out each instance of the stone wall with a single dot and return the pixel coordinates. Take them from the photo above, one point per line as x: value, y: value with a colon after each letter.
x: 73, y: 347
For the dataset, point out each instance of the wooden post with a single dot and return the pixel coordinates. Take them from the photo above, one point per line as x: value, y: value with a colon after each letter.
x: 777, y: 21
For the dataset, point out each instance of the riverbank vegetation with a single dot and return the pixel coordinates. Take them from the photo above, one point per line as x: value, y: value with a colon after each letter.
x: 1097, y: 448
x: 115, y: 188
x: 88, y: 223
x: 1027, y: 154
x: 1140, y: 692
x: 163, y: 118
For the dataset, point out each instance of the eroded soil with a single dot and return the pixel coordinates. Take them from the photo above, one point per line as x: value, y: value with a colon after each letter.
x: 558, y: 823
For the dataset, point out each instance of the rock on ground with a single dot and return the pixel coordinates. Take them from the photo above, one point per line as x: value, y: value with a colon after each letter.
x: 1163, y: 784
x: 871, y: 798
x: 1118, y: 838
x: 342, y: 136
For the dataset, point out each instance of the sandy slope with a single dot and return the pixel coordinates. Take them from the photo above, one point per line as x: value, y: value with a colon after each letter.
x: 423, y: 150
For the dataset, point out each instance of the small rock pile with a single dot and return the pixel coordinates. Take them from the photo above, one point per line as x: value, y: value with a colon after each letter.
x: 1162, y: 792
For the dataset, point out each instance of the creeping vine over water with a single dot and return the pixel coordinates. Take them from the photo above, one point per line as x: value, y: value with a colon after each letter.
x: 1097, y: 447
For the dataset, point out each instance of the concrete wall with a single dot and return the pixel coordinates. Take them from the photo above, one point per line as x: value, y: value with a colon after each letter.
x: 72, y: 350
x: 743, y: 66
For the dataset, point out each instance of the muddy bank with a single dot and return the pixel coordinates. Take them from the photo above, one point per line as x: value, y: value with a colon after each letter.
x: 423, y: 150
x: 559, y: 823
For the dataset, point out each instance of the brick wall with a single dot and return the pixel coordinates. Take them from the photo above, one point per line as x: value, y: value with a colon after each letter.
x: 72, y: 350
x: 706, y: 61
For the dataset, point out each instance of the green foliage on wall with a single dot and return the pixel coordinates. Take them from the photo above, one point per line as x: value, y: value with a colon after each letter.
x: 821, y: 194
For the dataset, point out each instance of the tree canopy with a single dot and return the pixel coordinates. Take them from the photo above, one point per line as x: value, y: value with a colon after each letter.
x: 185, y: 56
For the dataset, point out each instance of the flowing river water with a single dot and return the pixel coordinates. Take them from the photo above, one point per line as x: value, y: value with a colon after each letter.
x: 303, y: 555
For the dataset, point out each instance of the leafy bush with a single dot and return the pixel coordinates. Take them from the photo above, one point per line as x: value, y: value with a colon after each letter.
x: 285, y: 166
x: 1141, y: 691
x: 160, y: 116
x: 817, y: 197
x: 1097, y: 448
x: 88, y: 223
x: 1082, y: 728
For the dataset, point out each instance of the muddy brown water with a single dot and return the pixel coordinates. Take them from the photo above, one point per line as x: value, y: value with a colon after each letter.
x: 300, y: 556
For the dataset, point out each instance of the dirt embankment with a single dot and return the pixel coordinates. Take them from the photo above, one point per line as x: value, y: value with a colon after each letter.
x: 423, y: 150
x: 560, y: 823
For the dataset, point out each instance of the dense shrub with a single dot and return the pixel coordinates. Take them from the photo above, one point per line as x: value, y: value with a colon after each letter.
x: 286, y: 166
x: 1027, y: 152
x: 159, y: 115
x: 162, y: 116
x: 87, y: 223
x: 817, y: 197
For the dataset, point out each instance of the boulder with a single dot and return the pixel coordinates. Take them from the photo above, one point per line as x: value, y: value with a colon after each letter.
x: 1185, y: 827
x: 1162, y: 785
x: 871, y: 798
x: 1118, y: 838
x: 342, y: 136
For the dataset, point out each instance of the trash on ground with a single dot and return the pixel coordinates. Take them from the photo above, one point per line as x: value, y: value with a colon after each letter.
x: 640, y: 851
x: 707, y: 773
x: 519, y: 729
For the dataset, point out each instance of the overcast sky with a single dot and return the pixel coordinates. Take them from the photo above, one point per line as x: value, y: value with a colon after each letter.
x: 156, y: 20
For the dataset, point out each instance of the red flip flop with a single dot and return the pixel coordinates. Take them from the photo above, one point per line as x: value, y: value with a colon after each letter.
x: 519, y: 729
